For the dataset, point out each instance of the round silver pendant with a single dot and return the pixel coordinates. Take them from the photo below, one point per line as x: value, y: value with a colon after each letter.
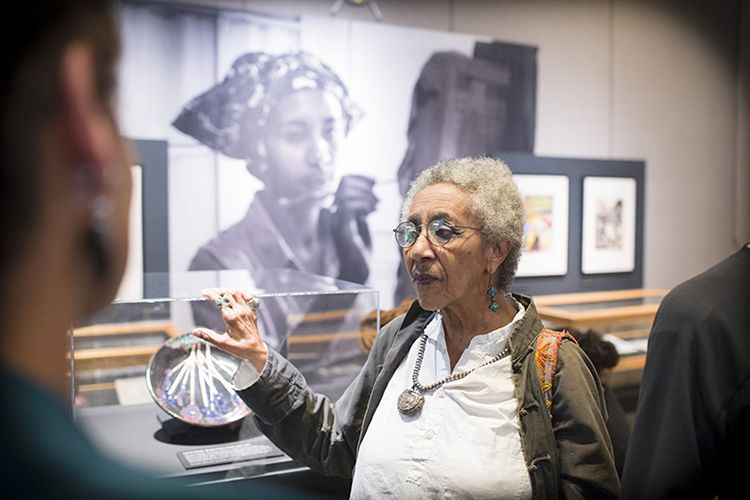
x: 410, y: 402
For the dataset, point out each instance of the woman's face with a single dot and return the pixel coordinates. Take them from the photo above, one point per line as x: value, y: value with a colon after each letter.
x: 301, y: 139
x: 453, y: 273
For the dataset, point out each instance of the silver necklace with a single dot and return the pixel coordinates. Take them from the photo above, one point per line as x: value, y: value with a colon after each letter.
x: 410, y: 401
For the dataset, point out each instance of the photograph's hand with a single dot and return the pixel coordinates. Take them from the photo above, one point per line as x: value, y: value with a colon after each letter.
x: 242, y: 337
x: 354, y: 201
x: 355, y: 196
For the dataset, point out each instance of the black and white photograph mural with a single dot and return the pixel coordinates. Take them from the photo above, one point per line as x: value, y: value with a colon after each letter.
x: 292, y: 140
x: 286, y: 116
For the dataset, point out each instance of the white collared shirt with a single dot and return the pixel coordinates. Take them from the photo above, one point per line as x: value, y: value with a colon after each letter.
x: 465, y: 442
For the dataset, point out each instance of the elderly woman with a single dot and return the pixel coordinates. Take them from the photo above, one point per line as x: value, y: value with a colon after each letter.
x: 449, y: 402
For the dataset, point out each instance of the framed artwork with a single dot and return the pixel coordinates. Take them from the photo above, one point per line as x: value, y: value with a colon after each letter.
x: 609, y: 225
x: 545, y: 246
x: 132, y: 283
x: 576, y: 170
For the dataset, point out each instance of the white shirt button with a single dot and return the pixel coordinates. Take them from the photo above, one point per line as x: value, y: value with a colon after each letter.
x: 429, y: 434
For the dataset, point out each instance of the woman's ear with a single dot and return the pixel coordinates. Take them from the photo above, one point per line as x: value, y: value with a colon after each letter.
x: 495, y: 254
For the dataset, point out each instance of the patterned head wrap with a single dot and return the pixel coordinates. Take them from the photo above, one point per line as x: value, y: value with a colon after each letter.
x: 229, y: 116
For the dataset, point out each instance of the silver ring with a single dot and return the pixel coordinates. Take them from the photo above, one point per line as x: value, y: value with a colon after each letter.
x: 254, y: 304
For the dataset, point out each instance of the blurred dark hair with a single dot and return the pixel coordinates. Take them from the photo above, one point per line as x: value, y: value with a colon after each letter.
x: 34, y: 35
x: 602, y: 353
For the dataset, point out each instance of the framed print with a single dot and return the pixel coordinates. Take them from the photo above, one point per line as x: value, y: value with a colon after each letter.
x: 545, y: 245
x: 609, y: 225
x: 576, y: 170
x: 132, y: 282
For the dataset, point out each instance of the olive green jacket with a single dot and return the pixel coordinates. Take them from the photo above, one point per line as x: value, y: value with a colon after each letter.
x: 568, y: 456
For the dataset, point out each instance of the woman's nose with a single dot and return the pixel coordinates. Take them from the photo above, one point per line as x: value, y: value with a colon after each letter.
x: 319, y: 153
x: 421, y: 248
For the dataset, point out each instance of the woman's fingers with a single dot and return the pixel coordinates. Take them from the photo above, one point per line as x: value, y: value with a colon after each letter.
x: 242, y: 337
x: 239, y: 297
x: 237, y: 309
x: 211, y: 293
x: 238, y: 347
x: 215, y: 338
x: 227, y: 297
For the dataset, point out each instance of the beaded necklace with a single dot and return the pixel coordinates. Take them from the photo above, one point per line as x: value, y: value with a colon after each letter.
x: 410, y: 401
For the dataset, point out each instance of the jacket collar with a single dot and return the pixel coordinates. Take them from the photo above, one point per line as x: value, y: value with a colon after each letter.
x: 521, y: 339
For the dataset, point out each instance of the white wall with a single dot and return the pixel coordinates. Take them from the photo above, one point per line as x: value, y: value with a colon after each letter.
x: 674, y: 105
x: 663, y: 81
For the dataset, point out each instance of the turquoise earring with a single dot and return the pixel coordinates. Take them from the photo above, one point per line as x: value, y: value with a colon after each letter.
x: 492, y: 292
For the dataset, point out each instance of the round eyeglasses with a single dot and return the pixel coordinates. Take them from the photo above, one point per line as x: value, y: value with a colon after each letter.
x: 439, y: 232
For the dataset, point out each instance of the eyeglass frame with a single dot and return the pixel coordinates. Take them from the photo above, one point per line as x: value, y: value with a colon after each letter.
x: 419, y: 228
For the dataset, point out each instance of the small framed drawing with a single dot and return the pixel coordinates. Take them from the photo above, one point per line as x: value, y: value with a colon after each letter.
x: 609, y: 225
x: 545, y: 245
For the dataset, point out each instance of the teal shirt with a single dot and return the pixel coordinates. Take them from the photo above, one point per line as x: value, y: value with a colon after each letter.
x: 44, y: 455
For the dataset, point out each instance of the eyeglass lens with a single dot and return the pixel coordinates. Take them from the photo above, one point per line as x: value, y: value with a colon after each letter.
x: 438, y: 233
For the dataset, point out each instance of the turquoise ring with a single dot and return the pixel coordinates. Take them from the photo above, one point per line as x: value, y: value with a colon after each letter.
x: 222, y: 301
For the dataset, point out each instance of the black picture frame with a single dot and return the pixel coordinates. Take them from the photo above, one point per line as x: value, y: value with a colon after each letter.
x: 152, y: 156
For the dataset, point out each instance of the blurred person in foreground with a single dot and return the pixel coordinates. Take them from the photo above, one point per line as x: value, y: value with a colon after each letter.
x: 65, y: 190
x: 449, y: 402
x: 690, y: 433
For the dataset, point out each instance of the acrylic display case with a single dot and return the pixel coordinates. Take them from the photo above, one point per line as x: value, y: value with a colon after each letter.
x: 312, y: 320
x: 623, y: 317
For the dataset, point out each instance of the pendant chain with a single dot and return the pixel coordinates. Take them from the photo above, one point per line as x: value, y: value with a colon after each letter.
x: 450, y: 378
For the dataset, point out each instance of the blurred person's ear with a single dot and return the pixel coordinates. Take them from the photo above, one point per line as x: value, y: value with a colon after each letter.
x: 97, y: 163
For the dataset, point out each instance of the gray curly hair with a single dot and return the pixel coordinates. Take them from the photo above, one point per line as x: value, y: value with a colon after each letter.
x: 495, y: 202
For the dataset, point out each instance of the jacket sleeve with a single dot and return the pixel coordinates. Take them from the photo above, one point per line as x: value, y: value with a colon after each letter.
x: 587, y: 468
x: 308, y: 426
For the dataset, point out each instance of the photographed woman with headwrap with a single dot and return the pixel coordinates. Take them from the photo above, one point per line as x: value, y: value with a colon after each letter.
x: 286, y: 116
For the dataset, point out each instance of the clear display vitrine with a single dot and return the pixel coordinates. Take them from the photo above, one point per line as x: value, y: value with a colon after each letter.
x: 312, y: 320
x: 623, y: 317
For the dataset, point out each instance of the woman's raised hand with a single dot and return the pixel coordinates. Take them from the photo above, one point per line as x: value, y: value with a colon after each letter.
x: 242, y: 337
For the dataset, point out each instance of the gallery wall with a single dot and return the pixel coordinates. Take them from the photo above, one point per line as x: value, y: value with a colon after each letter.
x: 662, y: 81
